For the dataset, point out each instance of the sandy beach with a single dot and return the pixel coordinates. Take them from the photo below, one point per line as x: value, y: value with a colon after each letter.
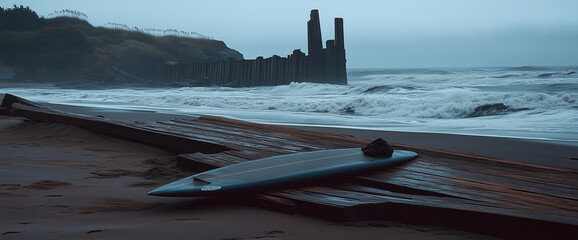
x: 62, y: 182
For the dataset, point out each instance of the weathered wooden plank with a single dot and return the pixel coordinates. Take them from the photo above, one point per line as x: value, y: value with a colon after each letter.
x: 117, y: 129
x: 265, y: 137
x: 512, y: 181
x: 223, y: 139
x: 203, y: 162
x: 466, y: 187
x: 199, y: 162
x: 413, y: 188
x: 509, y: 195
x: 451, y: 203
x: 465, y: 159
x: 453, y: 212
x: 364, y: 204
x: 252, y: 155
x: 235, y: 135
x: 10, y: 99
x: 525, y: 186
x: 540, y: 175
x: 275, y: 203
x: 440, y: 167
x: 333, y: 208
x: 503, y: 198
x: 328, y: 140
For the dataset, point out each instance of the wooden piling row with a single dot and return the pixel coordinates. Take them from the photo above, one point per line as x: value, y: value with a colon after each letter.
x: 240, y: 73
x: 320, y: 66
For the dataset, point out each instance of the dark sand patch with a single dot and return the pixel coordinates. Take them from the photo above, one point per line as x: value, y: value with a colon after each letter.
x: 158, y: 168
x: 94, y: 231
x: 143, y: 184
x: 163, y: 168
x: 6, y: 194
x: 113, y: 173
x: 47, y: 184
x: 9, y: 186
x: 118, y: 205
x: 187, y: 219
x: 54, y: 195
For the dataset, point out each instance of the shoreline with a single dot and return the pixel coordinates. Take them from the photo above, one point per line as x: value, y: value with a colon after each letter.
x: 549, y: 153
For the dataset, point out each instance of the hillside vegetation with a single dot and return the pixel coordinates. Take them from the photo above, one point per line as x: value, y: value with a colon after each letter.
x: 70, y: 49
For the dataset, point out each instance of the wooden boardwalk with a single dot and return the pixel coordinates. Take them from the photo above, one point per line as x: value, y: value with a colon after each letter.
x: 478, y: 194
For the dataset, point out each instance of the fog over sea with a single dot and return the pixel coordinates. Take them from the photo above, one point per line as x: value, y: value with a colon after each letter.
x: 522, y: 102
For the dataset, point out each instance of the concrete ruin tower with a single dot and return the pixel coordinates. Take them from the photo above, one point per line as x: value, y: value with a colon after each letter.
x: 325, y: 65
x: 340, y: 74
x: 321, y: 65
x: 315, y: 59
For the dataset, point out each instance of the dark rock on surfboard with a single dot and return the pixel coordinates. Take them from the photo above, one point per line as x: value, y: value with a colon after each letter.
x: 378, y: 148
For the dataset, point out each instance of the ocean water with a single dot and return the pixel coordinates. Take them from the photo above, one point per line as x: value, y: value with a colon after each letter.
x: 521, y: 102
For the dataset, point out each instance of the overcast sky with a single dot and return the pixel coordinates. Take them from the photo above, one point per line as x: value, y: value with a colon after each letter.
x: 378, y: 33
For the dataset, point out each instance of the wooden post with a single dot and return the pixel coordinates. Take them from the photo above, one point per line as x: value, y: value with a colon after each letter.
x: 330, y: 62
x: 315, y: 48
x: 257, y: 71
x: 340, y: 61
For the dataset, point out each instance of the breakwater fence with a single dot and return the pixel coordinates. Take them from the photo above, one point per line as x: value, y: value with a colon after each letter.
x: 320, y: 65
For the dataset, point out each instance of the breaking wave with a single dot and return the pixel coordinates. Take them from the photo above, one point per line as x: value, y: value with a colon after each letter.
x: 377, y: 101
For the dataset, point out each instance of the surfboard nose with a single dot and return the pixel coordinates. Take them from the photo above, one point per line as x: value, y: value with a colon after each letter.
x: 186, y: 187
x: 172, y: 189
x: 160, y: 192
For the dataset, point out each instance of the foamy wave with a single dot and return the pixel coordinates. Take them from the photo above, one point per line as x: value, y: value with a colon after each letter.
x: 446, y: 104
x: 377, y: 101
x: 307, y: 89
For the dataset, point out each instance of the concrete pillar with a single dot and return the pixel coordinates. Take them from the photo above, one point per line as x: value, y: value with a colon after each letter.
x: 315, y: 49
x: 340, y: 73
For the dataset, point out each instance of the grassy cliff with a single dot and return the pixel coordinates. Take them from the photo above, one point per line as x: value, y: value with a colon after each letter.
x: 70, y: 49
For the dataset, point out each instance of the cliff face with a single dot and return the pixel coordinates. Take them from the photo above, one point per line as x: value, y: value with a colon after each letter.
x: 70, y: 49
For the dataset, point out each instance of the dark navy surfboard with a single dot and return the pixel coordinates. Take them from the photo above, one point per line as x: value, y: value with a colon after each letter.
x: 279, y: 170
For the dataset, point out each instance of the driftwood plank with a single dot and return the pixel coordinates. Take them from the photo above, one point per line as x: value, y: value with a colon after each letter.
x: 117, y: 129
x: 198, y: 162
x: 509, y: 184
x: 367, y: 203
x: 512, y: 181
x: 507, y: 199
x: 202, y: 162
x: 233, y: 142
x: 334, y: 208
x: 327, y: 140
x: 245, y: 134
x: 495, y: 167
